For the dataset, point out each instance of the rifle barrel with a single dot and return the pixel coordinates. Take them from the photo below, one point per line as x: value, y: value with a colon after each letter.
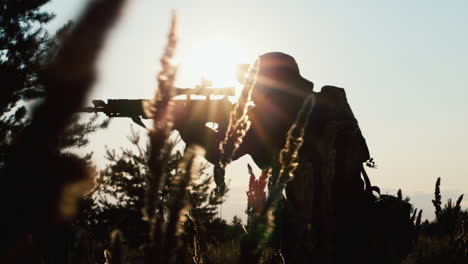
x: 88, y: 109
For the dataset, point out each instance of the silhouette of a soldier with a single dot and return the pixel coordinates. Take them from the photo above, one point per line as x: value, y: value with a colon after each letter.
x: 327, y: 186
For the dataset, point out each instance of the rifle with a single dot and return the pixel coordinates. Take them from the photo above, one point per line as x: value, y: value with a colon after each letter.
x: 210, y: 110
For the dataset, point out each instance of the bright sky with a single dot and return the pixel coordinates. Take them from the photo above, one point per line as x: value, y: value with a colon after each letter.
x: 403, y: 65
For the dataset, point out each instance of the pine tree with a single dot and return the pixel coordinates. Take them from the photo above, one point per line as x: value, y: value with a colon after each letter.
x: 22, y: 49
x: 26, y: 48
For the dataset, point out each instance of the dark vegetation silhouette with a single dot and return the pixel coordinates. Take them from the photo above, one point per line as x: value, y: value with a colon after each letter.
x: 151, y: 204
x: 50, y: 182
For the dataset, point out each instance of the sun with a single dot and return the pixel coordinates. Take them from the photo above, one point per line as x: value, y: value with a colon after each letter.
x: 217, y: 62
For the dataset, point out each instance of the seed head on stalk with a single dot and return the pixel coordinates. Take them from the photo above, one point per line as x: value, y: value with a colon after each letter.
x: 288, y: 159
x: 239, y: 123
x: 256, y: 195
x: 160, y: 109
x: 262, y: 225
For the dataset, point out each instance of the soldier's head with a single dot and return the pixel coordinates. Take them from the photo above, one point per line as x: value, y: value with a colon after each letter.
x: 279, y: 79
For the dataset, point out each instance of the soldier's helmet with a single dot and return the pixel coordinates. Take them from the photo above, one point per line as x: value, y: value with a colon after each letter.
x: 279, y: 75
x: 278, y: 63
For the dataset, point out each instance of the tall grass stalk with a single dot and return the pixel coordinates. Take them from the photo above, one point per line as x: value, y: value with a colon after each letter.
x: 200, y: 244
x: 239, y: 123
x: 160, y: 109
x: 262, y: 225
x: 437, y: 202
x: 289, y: 155
x: 179, y: 205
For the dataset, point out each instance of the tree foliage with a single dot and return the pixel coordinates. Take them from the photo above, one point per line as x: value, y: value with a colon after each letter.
x: 22, y: 49
x: 26, y: 49
x: 23, y: 42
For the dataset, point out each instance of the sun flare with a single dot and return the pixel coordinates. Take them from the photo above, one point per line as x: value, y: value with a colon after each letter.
x: 217, y: 62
